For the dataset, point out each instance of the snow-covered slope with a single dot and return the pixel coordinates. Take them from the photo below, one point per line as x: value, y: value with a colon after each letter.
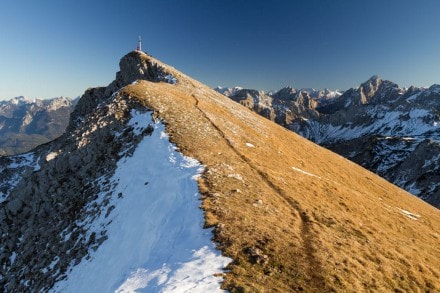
x: 111, y: 205
x: 156, y: 241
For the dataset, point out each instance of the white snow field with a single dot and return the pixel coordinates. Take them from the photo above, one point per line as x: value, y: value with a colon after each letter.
x: 156, y: 241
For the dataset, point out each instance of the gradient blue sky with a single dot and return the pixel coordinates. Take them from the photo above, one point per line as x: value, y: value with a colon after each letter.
x: 51, y: 48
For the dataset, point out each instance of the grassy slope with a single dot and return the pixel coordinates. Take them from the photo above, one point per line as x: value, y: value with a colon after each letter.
x: 336, y: 227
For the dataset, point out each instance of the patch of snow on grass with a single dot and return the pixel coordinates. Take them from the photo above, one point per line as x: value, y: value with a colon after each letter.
x: 410, y: 215
x: 188, y: 162
x: 156, y: 241
x: 164, y: 135
x: 304, y: 172
x: 200, y: 266
x: 236, y: 176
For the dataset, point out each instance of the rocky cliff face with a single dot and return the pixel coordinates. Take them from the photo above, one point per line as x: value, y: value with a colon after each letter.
x: 24, y: 124
x: 391, y: 131
x: 49, y: 196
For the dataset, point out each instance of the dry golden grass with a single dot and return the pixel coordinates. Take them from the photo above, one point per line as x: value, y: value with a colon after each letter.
x: 293, y: 215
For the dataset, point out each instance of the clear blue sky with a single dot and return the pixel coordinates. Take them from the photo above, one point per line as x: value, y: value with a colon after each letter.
x: 51, y: 48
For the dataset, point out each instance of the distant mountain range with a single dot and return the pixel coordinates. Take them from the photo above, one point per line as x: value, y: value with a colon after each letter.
x: 25, y: 123
x: 392, y: 131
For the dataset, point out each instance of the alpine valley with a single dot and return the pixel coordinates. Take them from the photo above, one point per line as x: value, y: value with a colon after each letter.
x: 392, y: 131
x: 25, y: 123
x: 113, y: 204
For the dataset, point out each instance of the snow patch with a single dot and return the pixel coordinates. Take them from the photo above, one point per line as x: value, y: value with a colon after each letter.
x: 139, y: 121
x: 170, y: 79
x: 236, y: 176
x: 304, y: 172
x: 20, y: 163
x: 413, y: 97
x: 140, y: 278
x: 410, y: 215
x: 156, y: 241
x: 182, y: 280
x: 188, y: 162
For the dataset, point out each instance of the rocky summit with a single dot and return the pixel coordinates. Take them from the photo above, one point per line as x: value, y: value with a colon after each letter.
x: 389, y: 130
x: 287, y: 214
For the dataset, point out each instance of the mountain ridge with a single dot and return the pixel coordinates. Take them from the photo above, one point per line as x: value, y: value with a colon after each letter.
x: 257, y: 256
x: 291, y: 218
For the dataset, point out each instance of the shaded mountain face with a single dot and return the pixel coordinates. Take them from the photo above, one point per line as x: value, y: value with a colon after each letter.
x: 290, y: 214
x: 391, y: 131
x: 25, y: 124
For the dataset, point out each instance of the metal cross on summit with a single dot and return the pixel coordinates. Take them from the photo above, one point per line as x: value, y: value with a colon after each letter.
x: 139, y: 46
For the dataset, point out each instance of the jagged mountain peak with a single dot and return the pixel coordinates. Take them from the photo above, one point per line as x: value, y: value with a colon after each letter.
x: 228, y: 91
x: 375, y: 79
x: 435, y: 88
x: 244, y: 92
x: 138, y: 65
x: 286, y: 93
x: 375, y: 89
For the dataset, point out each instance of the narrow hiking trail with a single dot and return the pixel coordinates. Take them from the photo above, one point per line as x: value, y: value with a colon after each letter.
x: 314, y: 269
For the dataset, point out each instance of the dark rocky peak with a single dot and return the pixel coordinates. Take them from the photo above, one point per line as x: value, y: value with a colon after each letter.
x: 425, y: 97
x: 368, y: 89
x: 434, y: 89
x: 412, y: 89
x: 304, y: 99
x: 134, y: 66
x: 372, y: 84
x: 286, y: 94
x: 86, y: 104
x: 374, y: 90
x: 325, y: 94
x: 227, y: 91
x: 245, y: 92
x: 138, y: 65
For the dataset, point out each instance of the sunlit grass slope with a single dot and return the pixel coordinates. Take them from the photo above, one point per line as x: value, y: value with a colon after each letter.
x: 294, y: 216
